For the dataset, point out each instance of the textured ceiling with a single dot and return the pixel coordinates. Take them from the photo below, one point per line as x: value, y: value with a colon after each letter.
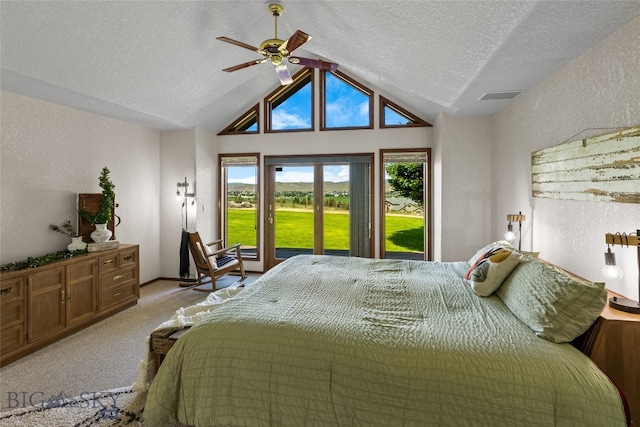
x: 158, y: 63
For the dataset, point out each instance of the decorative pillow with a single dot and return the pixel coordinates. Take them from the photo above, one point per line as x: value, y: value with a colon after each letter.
x: 555, y: 304
x: 207, y: 251
x: 482, y: 251
x: 488, y: 273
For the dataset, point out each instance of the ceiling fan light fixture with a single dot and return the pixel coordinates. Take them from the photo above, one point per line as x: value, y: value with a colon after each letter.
x: 277, y: 50
x: 283, y: 74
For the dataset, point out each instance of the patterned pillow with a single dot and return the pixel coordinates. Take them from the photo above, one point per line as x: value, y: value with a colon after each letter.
x: 490, y: 270
x: 555, y: 304
x: 482, y: 251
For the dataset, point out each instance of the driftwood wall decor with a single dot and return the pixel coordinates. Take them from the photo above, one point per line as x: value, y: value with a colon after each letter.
x: 601, y: 168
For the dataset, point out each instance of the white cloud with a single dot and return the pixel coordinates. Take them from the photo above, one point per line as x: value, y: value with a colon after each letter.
x: 344, y: 112
x: 280, y: 119
x: 336, y: 173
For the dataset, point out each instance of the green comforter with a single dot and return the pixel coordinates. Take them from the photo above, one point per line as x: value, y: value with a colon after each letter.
x: 335, y: 341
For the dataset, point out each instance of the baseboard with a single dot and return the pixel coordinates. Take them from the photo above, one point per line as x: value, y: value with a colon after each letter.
x: 177, y: 279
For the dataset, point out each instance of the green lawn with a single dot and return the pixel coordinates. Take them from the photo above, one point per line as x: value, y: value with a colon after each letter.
x: 294, y: 229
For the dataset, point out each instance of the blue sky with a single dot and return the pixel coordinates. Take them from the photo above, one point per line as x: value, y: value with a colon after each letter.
x: 345, y: 106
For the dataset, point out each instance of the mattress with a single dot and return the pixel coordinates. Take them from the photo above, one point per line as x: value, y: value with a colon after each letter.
x: 339, y: 341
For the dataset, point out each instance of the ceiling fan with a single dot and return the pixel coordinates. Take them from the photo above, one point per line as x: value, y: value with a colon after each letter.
x: 277, y: 50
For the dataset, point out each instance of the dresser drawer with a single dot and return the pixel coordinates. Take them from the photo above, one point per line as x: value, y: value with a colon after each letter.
x: 117, y: 278
x: 117, y: 296
x: 128, y: 258
x: 12, y: 313
x: 12, y: 289
x: 11, y: 339
x: 107, y: 263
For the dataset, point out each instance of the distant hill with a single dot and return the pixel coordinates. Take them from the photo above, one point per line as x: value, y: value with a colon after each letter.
x: 294, y: 186
x: 300, y: 186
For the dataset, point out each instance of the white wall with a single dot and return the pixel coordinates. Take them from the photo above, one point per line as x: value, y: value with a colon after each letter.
x: 206, y: 184
x: 50, y: 154
x: 462, y: 179
x: 600, y: 89
x: 177, y: 162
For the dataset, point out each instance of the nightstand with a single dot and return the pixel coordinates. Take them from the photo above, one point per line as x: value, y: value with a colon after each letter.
x: 613, y: 343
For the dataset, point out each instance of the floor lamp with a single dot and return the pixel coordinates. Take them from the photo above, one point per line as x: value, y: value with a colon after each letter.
x: 184, y: 243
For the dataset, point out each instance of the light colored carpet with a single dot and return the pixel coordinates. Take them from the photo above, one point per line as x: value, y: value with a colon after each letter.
x: 101, y: 357
x: 119, y: 407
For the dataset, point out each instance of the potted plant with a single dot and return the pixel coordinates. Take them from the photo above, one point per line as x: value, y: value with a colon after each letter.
x: 101, y: 218
x: 68, y: 230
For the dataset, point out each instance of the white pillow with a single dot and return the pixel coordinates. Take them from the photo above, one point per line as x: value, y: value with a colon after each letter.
x: 488, y: 273
x: 208, y: 251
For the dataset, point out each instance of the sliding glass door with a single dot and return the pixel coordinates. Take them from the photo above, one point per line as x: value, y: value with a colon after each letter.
x: 311, y: 207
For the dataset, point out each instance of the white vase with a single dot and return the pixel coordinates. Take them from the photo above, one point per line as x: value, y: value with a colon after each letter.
x: 76, y: 244
x: 101, y: 234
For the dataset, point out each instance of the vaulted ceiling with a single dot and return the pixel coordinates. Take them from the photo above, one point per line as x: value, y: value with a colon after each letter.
x: 158, y: 63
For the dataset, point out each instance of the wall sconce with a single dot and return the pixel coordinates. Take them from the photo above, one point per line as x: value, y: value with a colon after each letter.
x: 610, y: 270
x: 185, y: 196
x: 510, y: 235
x: 613, y: 272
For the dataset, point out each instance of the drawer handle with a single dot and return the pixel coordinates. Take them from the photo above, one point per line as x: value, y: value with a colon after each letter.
x: 116, y: 278
x: 5, y: 291
x: 128, y: 258
x: 117, y: 294
x: 109, y: 261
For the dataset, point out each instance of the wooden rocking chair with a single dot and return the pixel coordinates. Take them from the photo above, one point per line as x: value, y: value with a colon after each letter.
x: 214, y: 263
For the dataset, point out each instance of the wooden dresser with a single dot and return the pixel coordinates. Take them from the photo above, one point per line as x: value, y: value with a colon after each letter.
x: 39, y: 306
x: 613, y: 343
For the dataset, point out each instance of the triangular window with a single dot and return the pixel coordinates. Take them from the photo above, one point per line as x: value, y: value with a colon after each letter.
x: 394, y: 116
x: 345, y: 103
x: 290, y: 107
x: 247, y: 123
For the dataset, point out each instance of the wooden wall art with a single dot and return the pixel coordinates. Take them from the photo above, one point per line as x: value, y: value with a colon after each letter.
x: 602, y: 168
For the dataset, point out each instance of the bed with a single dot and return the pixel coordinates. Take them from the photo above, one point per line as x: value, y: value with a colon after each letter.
x: 339, y: 341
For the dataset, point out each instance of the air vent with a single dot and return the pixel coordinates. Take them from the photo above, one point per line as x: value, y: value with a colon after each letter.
x: 492, y: 96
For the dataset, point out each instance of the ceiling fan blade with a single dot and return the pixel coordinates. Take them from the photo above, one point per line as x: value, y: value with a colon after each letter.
x: 283, y: 74
x: 295, y: 41
x: 237, y: 43
x: 245, y: 65
x: 313, y: 63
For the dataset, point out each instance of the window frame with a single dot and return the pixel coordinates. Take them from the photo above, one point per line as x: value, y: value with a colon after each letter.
x: 238, y: 127
x: 428, y: 242
x: 415, y: 120
x: 223, y: 198
x: 282, y: 93
x: 351, y: 82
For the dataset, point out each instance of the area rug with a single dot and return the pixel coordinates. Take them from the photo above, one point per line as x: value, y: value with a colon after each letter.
x: 117, y: 407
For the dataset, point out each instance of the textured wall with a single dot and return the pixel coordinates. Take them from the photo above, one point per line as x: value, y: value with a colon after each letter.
x: 462, y: 178
x: 600, y: 89
x: 50, y: 154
